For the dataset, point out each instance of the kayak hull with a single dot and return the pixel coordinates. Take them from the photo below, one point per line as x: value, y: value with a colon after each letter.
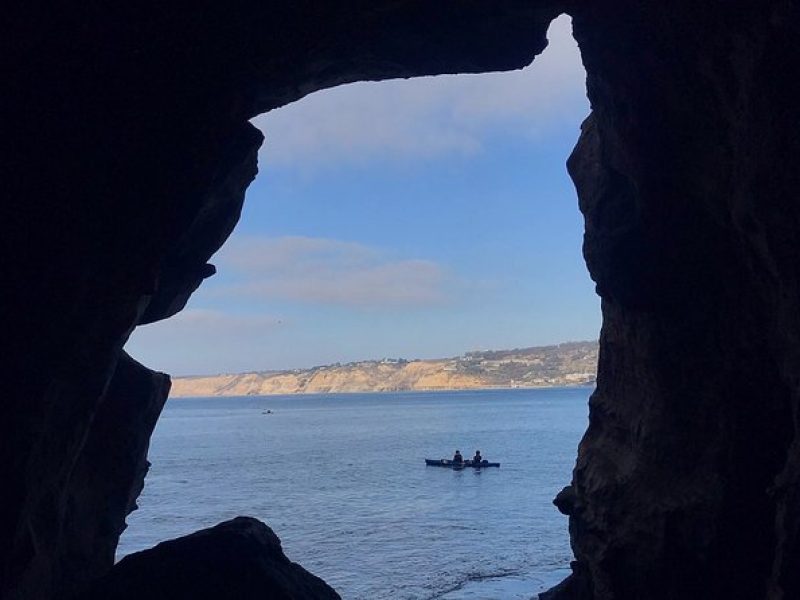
x: 443, y: 462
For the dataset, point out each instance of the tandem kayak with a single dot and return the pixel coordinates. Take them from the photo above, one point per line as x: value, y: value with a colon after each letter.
x: 443, y: 462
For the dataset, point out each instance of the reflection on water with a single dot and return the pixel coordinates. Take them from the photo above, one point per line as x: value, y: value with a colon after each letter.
x: 342, y: 481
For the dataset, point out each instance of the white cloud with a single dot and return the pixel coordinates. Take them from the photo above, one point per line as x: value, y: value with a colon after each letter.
x: 431, y: 116
x: 330, y: 272
x: 205, y: 323
x: 200, y: 340
x: 260, y: 255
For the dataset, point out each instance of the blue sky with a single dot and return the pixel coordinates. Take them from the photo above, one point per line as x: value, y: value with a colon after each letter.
x: 411, y: 218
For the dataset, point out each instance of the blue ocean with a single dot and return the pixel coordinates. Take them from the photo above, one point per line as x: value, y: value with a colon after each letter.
x: 342, y: 480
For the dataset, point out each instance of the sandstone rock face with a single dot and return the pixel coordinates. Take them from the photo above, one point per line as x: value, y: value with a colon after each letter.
x: 572, y: 363
x: 427, y: 375
x: 130, y: 154
x: 240, y: 559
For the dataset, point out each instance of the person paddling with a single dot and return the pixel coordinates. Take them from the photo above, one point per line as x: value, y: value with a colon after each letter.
x: 457, y: 458
x: 477, y: 459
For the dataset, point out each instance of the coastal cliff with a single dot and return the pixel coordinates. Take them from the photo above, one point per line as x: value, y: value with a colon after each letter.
x: 570, y: 363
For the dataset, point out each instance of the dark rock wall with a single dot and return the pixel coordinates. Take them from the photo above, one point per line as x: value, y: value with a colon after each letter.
x: 687, y: 173
x: 127, y: 155
x: 110, y: 471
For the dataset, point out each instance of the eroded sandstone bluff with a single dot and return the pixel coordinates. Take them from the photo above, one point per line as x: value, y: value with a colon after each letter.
x: 572, y: 363
x: 127, y: 153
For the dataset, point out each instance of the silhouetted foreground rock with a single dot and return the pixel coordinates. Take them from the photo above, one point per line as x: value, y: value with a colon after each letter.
x: 108, y: 477
x: 239, y: 559
x: 575, y: 587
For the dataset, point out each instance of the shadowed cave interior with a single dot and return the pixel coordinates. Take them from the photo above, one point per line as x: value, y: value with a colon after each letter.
x: 131, y: 154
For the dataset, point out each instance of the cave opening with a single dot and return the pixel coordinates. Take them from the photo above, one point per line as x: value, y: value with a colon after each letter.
x: 131, y: 149
x: 386, y: 214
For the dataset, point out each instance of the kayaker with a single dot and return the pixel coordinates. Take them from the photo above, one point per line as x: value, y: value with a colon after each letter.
x: 477, y: 458
x: 457, y: 458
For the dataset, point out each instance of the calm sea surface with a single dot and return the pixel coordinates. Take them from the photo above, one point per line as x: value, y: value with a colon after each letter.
x: 342, y: 480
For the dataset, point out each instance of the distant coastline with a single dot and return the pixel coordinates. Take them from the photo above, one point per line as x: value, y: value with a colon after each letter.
x: 567, y: 364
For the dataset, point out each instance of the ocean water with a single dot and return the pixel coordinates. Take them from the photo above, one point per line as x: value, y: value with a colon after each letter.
x: 342, y: 480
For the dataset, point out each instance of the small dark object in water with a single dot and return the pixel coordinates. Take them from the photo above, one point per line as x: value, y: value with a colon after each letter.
x: 443, y: 462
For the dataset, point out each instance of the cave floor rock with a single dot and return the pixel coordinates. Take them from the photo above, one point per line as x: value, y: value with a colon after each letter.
x: 237, y: 559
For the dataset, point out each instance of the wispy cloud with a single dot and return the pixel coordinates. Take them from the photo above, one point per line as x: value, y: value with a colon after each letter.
x: 265, y: 255
x: 201, y: 340
x: 330, y: 272
x: 205, y: 323
x: 428, y: 117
